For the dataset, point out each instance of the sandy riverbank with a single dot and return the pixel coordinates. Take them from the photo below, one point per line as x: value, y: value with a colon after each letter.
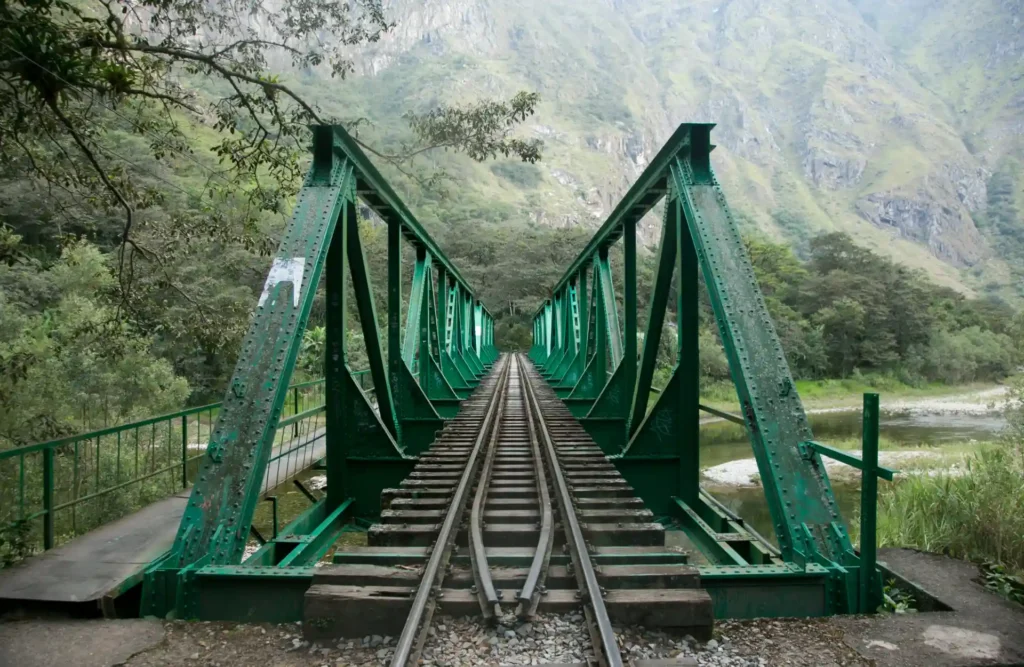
x: 979, y: 402
x: 969, y: 403
x: 744, y: 472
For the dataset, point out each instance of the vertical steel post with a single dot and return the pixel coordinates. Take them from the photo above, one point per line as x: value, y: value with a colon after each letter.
x: 600, y: 330
x: 584, y: 316
x: 547, y: 329
x: 335, y: 386
x: 184, y: 451
x: 395, y: 312
x: 273, y: 509
x: 423, y: 336
x: 630, y: 305
x: 478, y: 327
x: 688, y: 359
x: 295, y: 411
x: 48, y: 498
x: 868, y: 504
x: 610, y: 309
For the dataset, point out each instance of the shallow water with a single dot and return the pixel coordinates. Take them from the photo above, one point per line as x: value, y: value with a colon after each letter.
x: 722, y: 442
x: 290, y: 504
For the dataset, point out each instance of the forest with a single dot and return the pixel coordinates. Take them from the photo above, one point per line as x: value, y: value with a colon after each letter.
x: 74, y: 358
x: 145, y: 181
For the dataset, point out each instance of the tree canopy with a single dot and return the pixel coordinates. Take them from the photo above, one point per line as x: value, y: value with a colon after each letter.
x: 196, y: 82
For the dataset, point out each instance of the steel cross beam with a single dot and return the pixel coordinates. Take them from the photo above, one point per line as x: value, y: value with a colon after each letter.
x: 656, y: 446
x: 367, y: 449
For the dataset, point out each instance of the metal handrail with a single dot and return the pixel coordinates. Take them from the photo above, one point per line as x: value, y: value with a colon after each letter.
x: 97, y: 467
x: 110, y: 430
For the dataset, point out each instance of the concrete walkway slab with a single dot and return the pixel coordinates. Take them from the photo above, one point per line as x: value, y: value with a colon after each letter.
x: 981, y: 629
x: 93, y: 643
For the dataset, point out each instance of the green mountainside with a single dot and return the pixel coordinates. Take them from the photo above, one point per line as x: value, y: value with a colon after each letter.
x: 898, y: 122
x: 898, y: 125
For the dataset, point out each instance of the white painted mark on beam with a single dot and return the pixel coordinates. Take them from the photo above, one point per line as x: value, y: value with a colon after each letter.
x: 285, y: 270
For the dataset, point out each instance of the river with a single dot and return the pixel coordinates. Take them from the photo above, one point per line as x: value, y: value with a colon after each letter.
x: 722, y: 442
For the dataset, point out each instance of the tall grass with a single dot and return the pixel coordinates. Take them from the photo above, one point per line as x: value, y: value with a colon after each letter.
x: 977, y: 514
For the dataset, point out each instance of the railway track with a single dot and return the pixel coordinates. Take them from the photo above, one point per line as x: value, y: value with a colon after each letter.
x: 512, y: 512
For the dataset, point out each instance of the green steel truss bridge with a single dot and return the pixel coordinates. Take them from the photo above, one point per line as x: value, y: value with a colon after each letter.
x: 404, y: 442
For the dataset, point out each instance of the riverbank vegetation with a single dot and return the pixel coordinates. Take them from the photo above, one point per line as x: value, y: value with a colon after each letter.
x: 836, y: 393
x: 974, y: 512
x: 850, y: 319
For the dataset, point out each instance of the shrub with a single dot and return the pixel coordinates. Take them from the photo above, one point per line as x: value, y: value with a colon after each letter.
x: 978, y: 515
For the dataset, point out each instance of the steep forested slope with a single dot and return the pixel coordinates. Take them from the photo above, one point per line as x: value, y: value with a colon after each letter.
x: 898, y: 122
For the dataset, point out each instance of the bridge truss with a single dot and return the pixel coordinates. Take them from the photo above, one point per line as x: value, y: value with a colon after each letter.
x: 446, y: 347
x: 595, y: 366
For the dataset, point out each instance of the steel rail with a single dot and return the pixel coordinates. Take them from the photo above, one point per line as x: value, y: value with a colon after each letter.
x: 423, y: 604
x: 490, y: 605
x: 582, y: 565
x: 529, y: 595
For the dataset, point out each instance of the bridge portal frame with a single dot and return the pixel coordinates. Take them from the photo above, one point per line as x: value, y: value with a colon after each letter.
x: 447, y: 346
x: 596, y: 368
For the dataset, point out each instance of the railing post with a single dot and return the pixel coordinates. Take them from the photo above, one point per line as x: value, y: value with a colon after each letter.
x: 184, y: 451
x: 869, y: 504
x: 48, y: 498
x: 273, y: 509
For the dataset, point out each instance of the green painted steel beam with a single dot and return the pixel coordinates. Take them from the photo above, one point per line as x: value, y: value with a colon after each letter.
x: 656, y: 317
x: 687, y: 403
x: 609, y: 312
x: 216, y: 520
x: 374, y: 189
x: 414, y: 333
x: 365, y: 304
x: 848, y: 459
x: 595, y: 371
x: 661, y: 459
x: 313, y: 546
x: 335, y: 360
x: 767, y: 591
x: 365, y: 449
x: 800, y: 498
x: 629, y: 332
x: 650, y: 187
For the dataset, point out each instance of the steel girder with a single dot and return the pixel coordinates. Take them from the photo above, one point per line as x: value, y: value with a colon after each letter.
x: 656, y: 446
x: 369, y: 447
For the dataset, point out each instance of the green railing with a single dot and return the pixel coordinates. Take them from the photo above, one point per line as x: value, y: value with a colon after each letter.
x: 51, y: 492
x: 298, y: 443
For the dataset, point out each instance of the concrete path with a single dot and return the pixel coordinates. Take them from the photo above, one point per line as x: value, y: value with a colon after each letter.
x: 93, y: 643
x: 981, y: 629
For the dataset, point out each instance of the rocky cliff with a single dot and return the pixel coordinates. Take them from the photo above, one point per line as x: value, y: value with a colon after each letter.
x: 882, y: 118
